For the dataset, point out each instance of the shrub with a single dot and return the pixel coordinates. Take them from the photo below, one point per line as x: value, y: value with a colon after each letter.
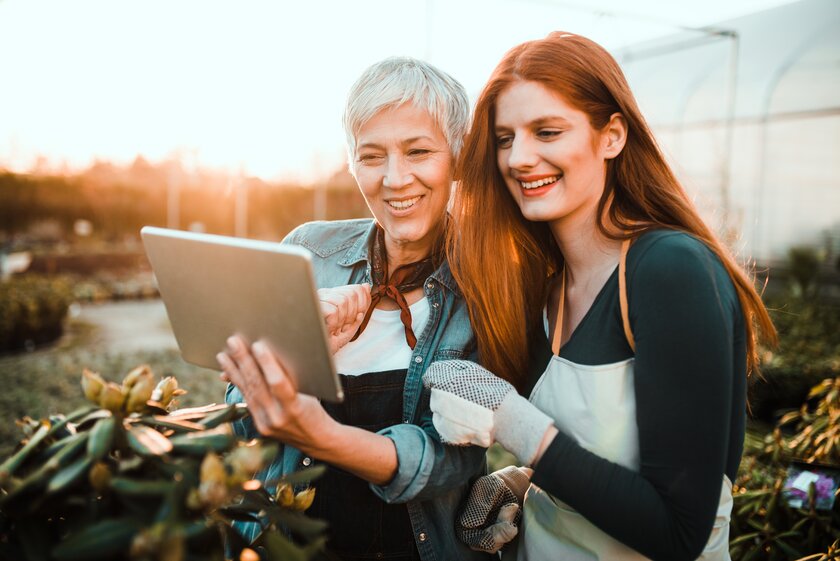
x: 126, y: 478
x: 32, y: 310
x: 808, y: 352
x: 766, y: 523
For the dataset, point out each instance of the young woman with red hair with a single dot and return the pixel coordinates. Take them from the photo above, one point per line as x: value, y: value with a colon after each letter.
x: 594, y: 288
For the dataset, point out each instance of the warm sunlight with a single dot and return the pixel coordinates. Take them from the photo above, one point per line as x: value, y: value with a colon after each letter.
x: 257, y: 85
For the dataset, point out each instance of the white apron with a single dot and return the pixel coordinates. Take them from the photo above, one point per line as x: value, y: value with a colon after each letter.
x: 595, y: 405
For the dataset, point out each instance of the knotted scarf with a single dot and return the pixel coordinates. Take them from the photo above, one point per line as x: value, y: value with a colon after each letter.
x: 405, y: 279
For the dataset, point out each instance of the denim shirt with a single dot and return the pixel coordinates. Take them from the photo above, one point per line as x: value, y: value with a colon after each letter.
x: 432, y: 479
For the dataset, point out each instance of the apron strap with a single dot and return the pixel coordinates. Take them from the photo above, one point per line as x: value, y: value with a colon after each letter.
x: 622, y: 294
x: 558, y: 323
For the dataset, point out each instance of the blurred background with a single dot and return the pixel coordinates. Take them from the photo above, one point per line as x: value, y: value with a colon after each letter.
x: 225, y: 117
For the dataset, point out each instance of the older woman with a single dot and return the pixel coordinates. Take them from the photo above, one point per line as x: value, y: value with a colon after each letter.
x: 391, y: 488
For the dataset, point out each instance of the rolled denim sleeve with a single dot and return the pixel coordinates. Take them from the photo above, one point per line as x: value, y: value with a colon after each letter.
x: 425, y: 466
x: 244, y: 427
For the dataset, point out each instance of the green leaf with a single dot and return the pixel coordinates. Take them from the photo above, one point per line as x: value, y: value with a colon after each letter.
x: 9, y: 466
x: 794, y: 554
x: 279, y: 547
x: 174, y: 424
x: 297, y: 522
x: 240, y: 514
x: 147, y: 441
x: 199, y: 443
x: 104, y: 539
x: 215, y: 419
x: 136, y: 487
x: 744, y: 538
x: 70, y: 474
x: 101, y: 437
x: 304, y: 475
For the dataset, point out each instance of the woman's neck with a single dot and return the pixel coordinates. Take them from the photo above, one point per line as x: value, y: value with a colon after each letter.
x: 403, y: 253
x: 587, y: 252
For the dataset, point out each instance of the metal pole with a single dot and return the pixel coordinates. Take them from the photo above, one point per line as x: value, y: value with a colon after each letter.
x: 729, y: 131
x: 240, y: 227
x: 173, y: 199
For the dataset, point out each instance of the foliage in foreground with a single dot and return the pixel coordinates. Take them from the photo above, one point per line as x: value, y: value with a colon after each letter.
x: 126, y: 478
x: 773, y: 521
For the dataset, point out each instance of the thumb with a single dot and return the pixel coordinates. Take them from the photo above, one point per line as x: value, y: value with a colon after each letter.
x: 508, y: 513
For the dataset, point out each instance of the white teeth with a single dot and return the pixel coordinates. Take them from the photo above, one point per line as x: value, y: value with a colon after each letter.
x: 538, y: 182
x: 402, y: 205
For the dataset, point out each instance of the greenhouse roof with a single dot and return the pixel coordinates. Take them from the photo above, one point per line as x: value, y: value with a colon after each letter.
x: 787, y: 63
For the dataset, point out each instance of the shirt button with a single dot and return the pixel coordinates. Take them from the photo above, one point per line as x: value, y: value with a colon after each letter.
x: 430, y: 285
x: 418, y: 359
x: 306, y: 461
x: 422, y: 536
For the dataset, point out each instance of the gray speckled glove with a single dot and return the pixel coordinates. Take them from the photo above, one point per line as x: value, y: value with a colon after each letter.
x: 471, y: 405
x: 494, y: 506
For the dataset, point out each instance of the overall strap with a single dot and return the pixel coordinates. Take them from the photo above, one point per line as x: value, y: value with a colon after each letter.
x: 622, y: 294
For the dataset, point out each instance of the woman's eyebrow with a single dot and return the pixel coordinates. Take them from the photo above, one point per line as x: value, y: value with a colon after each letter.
x: 419, y: 138
x: 539, y: 122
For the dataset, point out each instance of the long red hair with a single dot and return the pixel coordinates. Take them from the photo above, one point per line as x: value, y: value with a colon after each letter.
x: 502, y: 261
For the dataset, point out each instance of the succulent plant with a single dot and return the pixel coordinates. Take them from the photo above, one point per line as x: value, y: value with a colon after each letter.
x: 133, y: 477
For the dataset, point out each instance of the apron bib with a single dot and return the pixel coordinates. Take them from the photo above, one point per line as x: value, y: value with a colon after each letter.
x: 595, y: 405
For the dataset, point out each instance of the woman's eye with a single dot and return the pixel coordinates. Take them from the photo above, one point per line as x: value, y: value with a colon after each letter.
x: 504, y: 141
x: 548, y: 134
x: 369, y: 158
x: 418, y: 152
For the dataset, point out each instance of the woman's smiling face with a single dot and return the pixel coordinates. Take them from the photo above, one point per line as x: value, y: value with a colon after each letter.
x: 552, y: 160
x: 403, y: 165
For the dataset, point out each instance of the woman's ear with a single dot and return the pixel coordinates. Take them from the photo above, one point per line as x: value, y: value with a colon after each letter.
x: 615, y: 134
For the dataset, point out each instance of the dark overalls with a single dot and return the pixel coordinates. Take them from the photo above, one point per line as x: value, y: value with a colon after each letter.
x: 363, y: 526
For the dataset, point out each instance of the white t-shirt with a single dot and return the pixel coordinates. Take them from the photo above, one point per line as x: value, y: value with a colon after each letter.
x: 382, y: 345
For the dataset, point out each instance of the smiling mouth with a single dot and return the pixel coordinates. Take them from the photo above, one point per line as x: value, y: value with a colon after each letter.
x: 527, y: 185
x: 404, y: 204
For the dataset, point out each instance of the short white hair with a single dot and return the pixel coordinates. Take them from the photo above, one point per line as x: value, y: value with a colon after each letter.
x: 398, y: 80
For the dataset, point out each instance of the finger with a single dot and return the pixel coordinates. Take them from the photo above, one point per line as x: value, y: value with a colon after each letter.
x: 228, y: 367
x: 502, y: 532
x: 362, y: 295
x: 357, y: 299
x: 250, y: 380
x: 330, y: 313
x: 279, y: 383
x: 337, y: 299
x: 353, y: 326
x: 508, y: 513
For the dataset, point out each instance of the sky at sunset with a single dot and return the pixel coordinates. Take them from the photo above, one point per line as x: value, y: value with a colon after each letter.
x: 258, y: 85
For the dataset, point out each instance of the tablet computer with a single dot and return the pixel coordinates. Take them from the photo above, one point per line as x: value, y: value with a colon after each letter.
x: 216, y: 286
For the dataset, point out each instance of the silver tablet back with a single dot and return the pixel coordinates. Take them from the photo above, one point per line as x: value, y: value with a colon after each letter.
x: 215, y: 286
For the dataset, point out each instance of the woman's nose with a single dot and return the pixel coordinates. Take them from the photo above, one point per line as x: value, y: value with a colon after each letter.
x: 522, y: 154
x: 397, y: 174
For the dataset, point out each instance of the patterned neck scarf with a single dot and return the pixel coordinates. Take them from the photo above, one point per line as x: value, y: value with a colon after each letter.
x: 405, y: 279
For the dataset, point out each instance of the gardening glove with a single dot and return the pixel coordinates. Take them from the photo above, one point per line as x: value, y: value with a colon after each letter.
x: 471, y: 405
x: 494, y: 506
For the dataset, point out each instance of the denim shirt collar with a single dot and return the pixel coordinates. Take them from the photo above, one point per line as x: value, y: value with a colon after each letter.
x: 360, y: 251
